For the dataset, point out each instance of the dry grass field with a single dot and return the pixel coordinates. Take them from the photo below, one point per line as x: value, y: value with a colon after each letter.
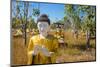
x: 74, y: 52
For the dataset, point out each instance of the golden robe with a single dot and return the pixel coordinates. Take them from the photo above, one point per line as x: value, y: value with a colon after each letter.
x: 49, y: 42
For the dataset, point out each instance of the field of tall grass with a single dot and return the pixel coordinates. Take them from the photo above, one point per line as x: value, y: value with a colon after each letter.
x: 74, y: 52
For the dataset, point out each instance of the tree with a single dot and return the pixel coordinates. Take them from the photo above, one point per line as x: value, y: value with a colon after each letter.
x: 73, y: 18
x: 31, y: 24
x: 88, y: 22
x: 36, y: 11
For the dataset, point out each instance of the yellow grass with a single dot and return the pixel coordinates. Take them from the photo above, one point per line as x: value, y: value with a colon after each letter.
x: 75, y: 50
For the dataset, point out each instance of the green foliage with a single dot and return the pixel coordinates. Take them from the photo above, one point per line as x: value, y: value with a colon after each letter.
x: 89, y: 23
x: 20, y: 17
x: 36, y: 12
x: 72, y: 16
x: 15, y: 22
x: 31, y: 24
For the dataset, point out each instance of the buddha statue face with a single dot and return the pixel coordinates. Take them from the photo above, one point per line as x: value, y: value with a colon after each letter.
x: 43, y: 28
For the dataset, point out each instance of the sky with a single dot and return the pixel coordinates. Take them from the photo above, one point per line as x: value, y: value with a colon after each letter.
x: 54, y: 11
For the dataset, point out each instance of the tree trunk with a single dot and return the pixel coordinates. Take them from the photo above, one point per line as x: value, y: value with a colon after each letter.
x: 87, y: 39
